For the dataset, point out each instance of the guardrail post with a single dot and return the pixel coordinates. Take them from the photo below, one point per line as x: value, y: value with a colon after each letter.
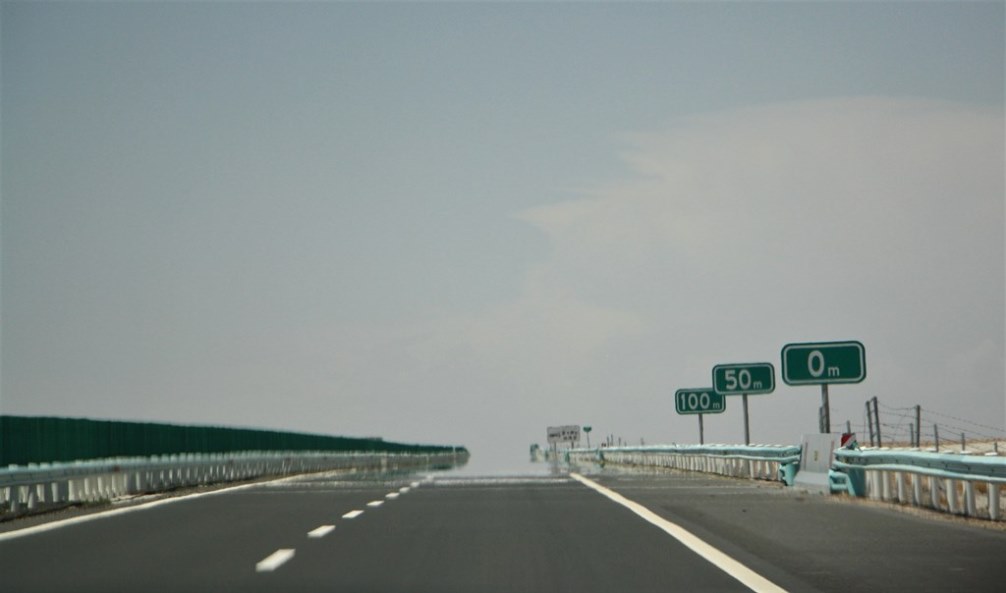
x: 969, y: 498
x: 916, y: 490
x: 994, y: 501
x: 934, y: 492
x: 900, y: 478
x: 951, y: 497
x: 62, y: 491
x: 873, y: 484
x: 15, y: 499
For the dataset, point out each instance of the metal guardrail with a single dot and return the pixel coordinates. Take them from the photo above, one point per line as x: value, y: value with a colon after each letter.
x: 36, y: 487
x: 970, y: 485
x: 757, y: 462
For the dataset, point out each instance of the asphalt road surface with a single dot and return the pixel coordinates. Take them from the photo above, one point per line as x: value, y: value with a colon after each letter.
x: 607, y: 532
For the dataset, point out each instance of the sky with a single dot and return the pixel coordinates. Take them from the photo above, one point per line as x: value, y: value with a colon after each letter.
x: 460, y: 223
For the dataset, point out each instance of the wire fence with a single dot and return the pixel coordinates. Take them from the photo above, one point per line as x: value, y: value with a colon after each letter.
x: 915, y: 426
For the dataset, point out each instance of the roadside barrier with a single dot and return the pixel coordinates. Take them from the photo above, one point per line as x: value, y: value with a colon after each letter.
x: 757, y: 462
x: 970, y: 485
x: 25, y: 489
x: 43, y: 439
x: 967, y: 485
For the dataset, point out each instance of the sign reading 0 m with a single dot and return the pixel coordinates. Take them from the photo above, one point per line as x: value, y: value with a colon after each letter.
x: 702, y: 400
x: 750, y: 378
x: 823, y: 362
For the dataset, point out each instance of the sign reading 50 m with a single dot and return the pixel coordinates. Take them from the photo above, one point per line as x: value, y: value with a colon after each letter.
x: 823, y: 362
x: 749, y: 378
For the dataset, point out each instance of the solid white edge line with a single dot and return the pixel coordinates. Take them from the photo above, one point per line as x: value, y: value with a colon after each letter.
x: 274, y: 560
x: 352, y: 514
x: 121, y: 511
x: 745, y: 575
x: 321, y: 531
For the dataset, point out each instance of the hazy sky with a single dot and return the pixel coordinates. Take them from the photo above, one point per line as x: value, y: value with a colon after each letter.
x: 462, y: 223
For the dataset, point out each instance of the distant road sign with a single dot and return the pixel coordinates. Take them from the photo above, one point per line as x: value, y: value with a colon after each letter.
x: 564, y: 434
x: 750, y: 378
x: 702, y: 400
x: 818, y: 363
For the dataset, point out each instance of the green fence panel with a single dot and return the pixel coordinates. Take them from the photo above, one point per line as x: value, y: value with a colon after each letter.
x: 28, y: 439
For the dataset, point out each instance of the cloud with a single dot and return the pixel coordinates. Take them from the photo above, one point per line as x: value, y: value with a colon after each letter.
x: 830, y: 192
x: 730, y: 235
x: 734, y: 233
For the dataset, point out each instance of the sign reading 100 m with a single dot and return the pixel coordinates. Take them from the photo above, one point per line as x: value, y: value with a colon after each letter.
x: 750, y: 378
x: 702, y: 400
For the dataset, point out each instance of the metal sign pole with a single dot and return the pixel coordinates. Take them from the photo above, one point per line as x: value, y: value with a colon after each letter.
x: 702, y: 434
x: 747, y: 429
x: 826, y: 416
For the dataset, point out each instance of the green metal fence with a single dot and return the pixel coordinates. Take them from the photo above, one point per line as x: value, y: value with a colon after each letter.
x: 28, y: 439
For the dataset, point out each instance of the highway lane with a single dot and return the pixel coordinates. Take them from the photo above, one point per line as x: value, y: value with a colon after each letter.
x: 523, y: 534
x: 542, y: 533
x: 811, y: 542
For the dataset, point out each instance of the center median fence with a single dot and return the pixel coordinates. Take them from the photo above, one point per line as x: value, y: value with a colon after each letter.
x: 760, y: 462
x: 52, y: 462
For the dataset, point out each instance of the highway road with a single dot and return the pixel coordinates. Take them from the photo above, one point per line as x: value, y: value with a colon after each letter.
x: 603, y: 532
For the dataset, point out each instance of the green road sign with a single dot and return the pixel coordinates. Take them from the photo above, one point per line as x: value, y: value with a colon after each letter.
x: 702, y: 400
x: 750, y: 378
x: 587, y: 429
x: 823, y: 362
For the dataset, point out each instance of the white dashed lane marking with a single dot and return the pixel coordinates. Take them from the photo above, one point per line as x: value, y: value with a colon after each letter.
x: 321, y: 531
x: 280, y: 557
x: 274, y: 560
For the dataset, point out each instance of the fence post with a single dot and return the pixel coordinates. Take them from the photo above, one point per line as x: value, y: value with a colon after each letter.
x: 869, y: 422
x: 918, y: 426
x: 876, y: 418
x: 936, y: 437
